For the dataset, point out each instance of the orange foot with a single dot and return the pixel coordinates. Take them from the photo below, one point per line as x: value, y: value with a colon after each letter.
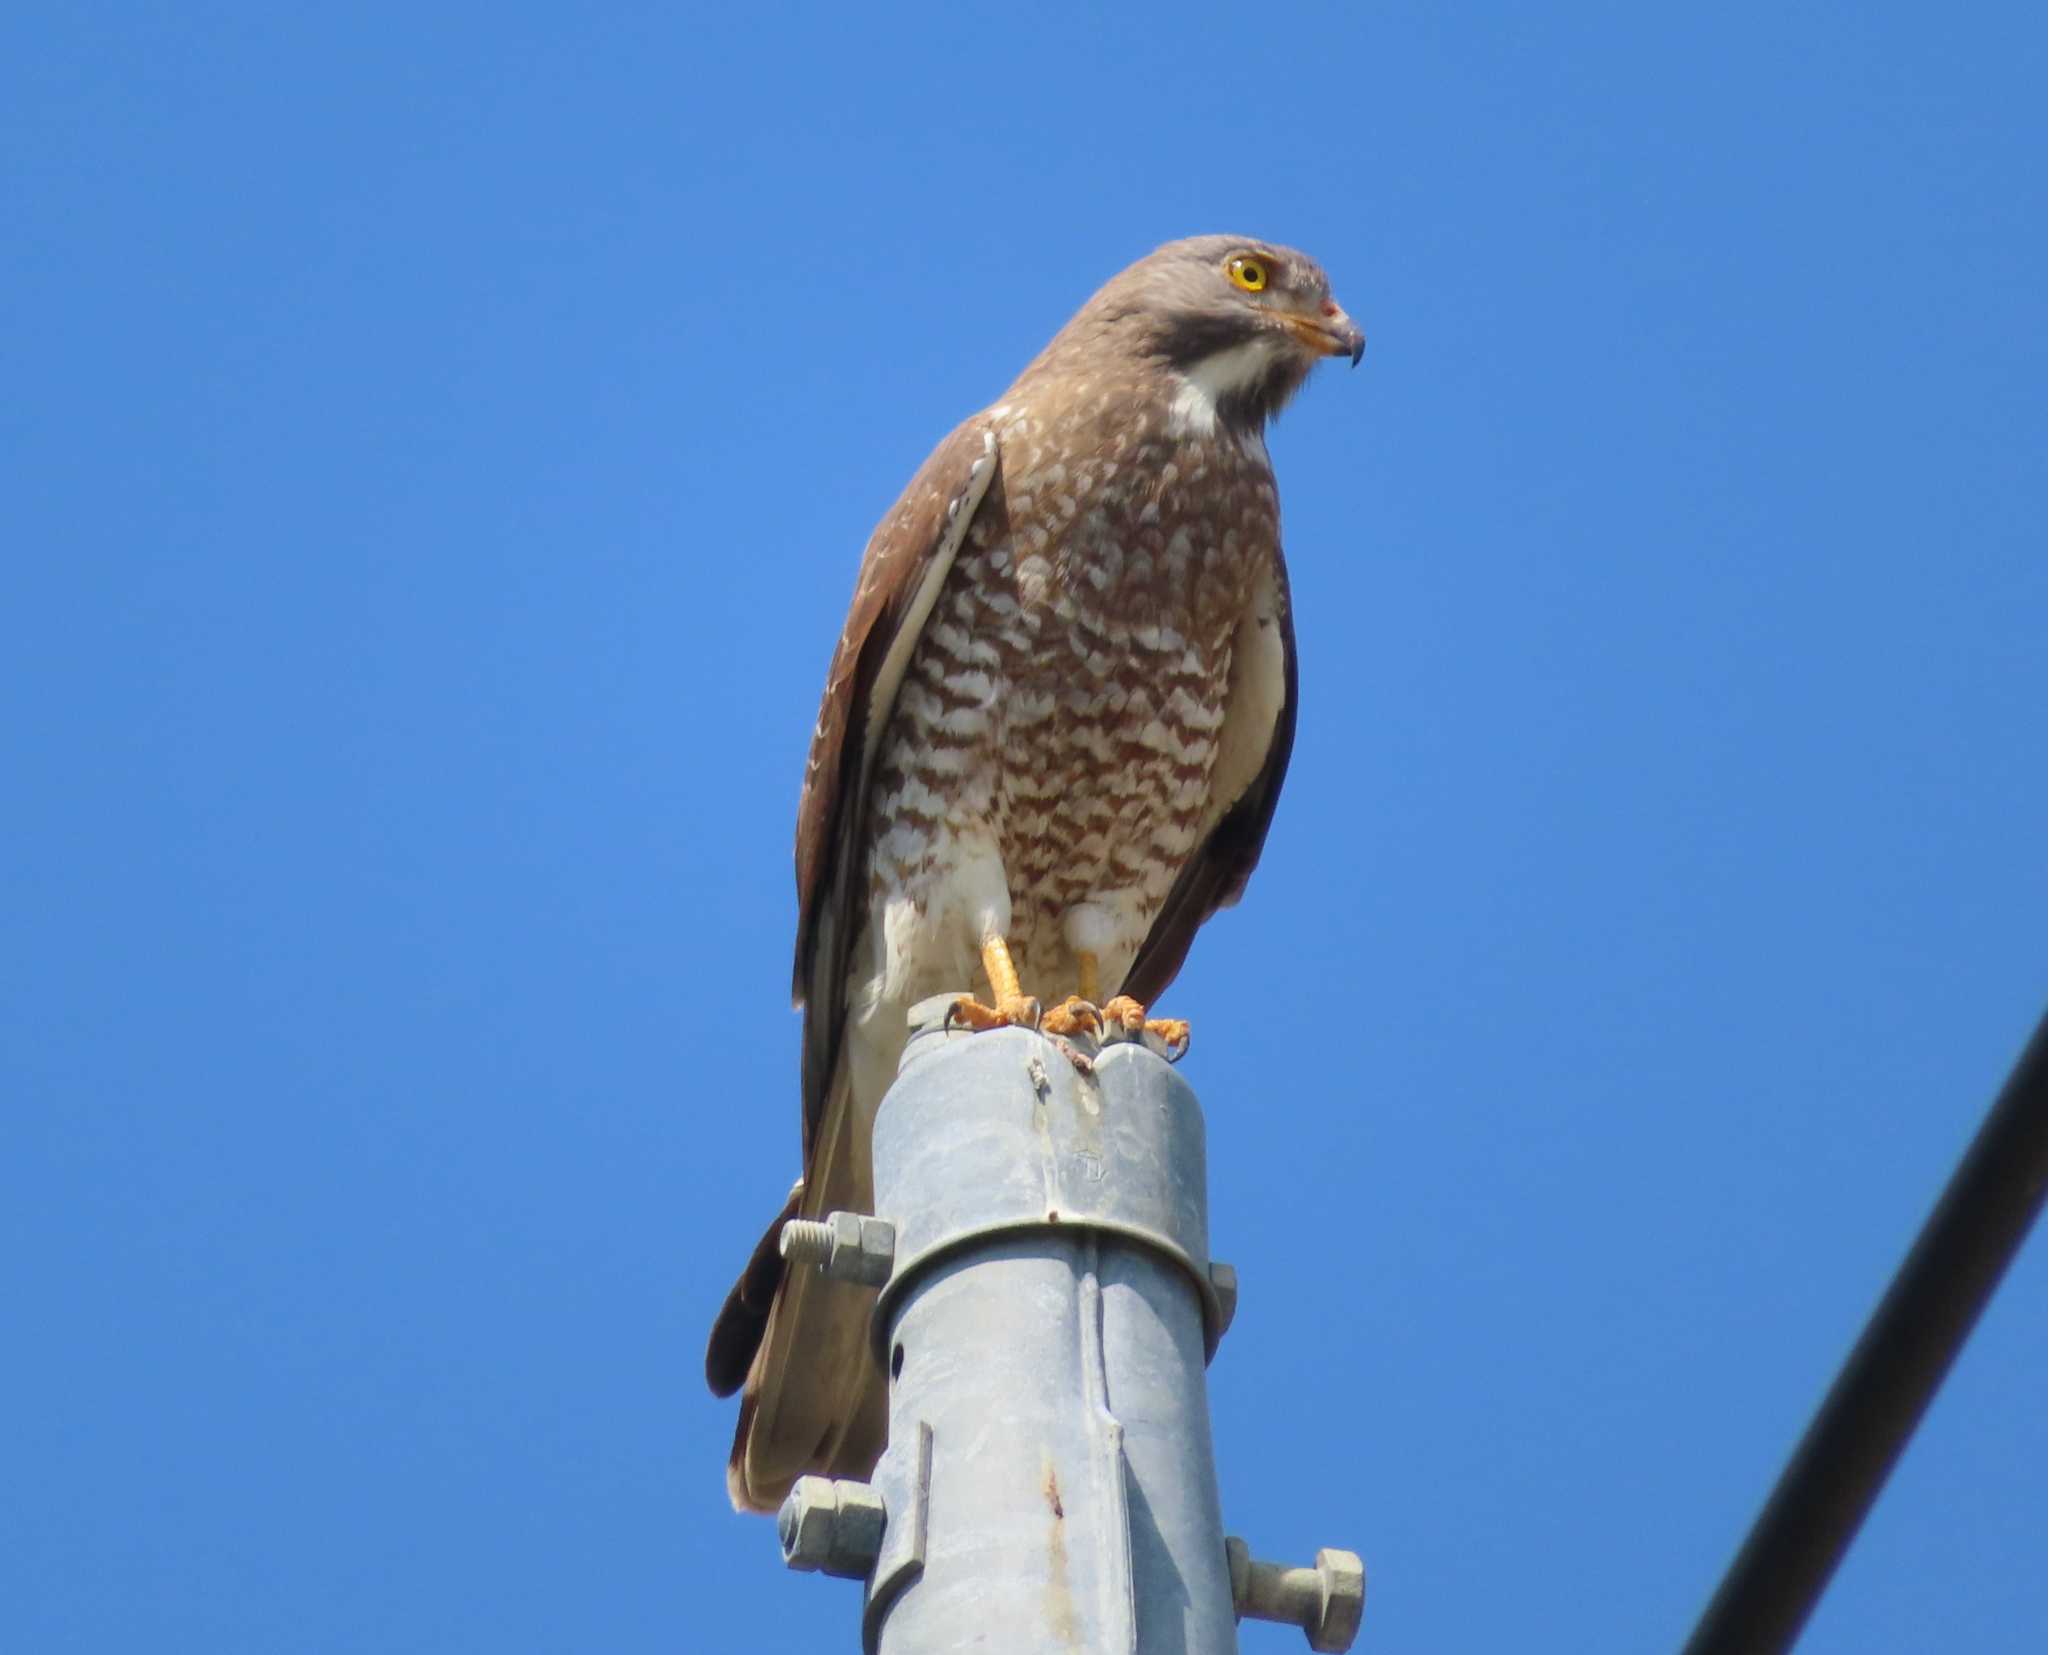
x: 1011, y: 1011
x: 1124, y: 1019
x: 1073, y: 1015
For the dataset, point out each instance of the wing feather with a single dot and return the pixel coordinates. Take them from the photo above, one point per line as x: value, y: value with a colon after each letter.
x: 795, y: 1348
x: 906, y: 563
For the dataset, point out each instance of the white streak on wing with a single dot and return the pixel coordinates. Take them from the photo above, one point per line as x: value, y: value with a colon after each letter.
x: 1258, y: 686
x: 882, y: 699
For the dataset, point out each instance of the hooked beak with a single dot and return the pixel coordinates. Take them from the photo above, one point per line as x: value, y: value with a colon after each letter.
x: 1331, y: 334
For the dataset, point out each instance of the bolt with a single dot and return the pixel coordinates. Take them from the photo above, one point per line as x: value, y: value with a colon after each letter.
x: 832, y: 1528
x: 1326, y: 1602
x: 846, y: 1246
x: 806, y: 1241
x: 1223, y: 1277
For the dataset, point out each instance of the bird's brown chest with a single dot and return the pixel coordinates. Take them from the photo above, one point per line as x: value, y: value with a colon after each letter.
x: 1066, y: 696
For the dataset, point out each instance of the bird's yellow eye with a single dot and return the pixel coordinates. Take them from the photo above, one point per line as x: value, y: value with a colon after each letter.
x: 1248, y: 273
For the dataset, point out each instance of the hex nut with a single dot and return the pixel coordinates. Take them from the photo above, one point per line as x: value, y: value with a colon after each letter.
x: 832, y: 1528
x: 1343, y: 1577
x: 863, y: 1249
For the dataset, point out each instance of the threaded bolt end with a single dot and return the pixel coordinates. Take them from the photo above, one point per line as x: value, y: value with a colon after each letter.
x: 807, y: 1241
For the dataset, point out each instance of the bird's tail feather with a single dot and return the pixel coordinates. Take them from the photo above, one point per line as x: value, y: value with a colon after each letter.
x: 742, y: 1320
x: 813, y: 1398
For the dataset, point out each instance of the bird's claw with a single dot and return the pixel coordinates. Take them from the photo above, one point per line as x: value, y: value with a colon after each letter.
x: 1124, y: 1019
x: 1017, y: 1011
x: 1073, y: 1015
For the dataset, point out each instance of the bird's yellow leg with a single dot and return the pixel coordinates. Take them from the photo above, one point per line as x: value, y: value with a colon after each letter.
x: 1001, y: 969
x: 1013, y: 1007
x: 1077, y: 1013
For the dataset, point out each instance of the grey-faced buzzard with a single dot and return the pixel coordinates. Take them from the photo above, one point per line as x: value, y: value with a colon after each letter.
x: 1051, y: 740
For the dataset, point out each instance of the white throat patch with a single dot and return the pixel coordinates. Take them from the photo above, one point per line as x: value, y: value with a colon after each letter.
x: 1208, y: 382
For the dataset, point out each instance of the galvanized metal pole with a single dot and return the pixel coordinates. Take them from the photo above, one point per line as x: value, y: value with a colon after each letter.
x: 1047, y: 1307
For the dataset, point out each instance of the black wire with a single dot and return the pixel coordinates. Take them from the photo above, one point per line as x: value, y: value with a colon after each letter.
x: 1841, y: 1463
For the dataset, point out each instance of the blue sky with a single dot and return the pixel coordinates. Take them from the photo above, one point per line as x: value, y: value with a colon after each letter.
x: 436, y: 451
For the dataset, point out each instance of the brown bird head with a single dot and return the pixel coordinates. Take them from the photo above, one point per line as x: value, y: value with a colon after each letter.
x: 1238, y: 322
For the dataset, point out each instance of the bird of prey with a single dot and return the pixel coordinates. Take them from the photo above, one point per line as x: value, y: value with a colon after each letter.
x: 1051, y: 740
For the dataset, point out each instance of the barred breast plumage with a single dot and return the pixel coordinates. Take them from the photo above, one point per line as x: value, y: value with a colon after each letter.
x: 1061, y: 711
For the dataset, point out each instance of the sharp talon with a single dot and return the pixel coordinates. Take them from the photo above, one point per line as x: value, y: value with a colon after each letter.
x: 970, y: 1014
